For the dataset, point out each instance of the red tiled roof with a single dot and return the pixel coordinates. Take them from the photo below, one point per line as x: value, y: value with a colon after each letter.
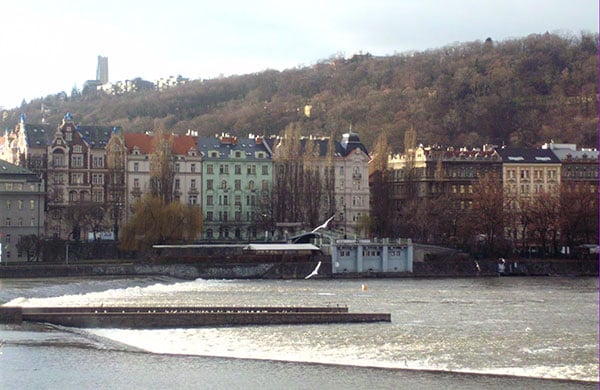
x: 141, y: 140
x: 181, y: 143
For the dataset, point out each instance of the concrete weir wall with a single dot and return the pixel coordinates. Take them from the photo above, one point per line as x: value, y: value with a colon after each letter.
x: 189, y: 317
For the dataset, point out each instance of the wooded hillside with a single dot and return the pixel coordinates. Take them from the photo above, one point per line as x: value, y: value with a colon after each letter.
x: 520, y: 92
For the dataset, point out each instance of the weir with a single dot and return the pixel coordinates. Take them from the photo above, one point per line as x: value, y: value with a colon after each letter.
x: 186, y: 317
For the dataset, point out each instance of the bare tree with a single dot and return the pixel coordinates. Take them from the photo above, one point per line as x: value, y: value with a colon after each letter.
x: 488, y: 210
x: 578, y: 214
x: 543, y: 214
x: 162, y: 166
x: 381, y: 188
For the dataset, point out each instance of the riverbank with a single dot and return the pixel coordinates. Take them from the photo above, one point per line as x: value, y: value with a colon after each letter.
x: 438, y: 267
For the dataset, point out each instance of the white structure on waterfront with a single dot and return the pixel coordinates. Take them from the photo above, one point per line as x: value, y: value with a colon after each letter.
x: 363, y: 256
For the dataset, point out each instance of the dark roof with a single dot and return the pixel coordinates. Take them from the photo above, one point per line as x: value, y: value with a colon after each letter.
x: 579, y: 155
x: 11, y: 171
x: 227, y: 143
x: 96, y: 136
x: 527, y: 156
x: 39, y: 135
x: 351, y: 141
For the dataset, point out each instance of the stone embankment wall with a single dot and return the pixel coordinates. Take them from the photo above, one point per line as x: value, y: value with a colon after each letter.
x: 290, y: 269
x: 455, y: 266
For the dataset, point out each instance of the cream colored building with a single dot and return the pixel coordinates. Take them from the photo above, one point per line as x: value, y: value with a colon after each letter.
x: 527, y: 172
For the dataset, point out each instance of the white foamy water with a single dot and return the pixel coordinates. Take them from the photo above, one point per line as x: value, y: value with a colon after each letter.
x: 543, y: 328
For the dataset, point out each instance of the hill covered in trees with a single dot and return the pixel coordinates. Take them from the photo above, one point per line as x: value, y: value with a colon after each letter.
x: 520, y: 92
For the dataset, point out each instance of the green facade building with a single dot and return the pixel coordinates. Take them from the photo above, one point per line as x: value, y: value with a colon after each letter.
x: 237, y: 176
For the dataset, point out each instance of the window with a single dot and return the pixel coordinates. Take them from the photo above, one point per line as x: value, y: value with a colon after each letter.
x: 32, y: 204
x: 209, y: 184
x: 209, y: 200
x: 20, y: 204
x: 237, y: 169
x: 77, y: 161
x: 225, y: 200
x: 225, y: 216
x: 193, y: 183
x: 98, y: 162
x: 224, y: 169
x: 265, y: 185
x: 251, y: 184
x: 98, y: 196
x: 193, y: 168
x: 193, y: 199
x: 58, y: 160
x: 177, y: 167
x: 209, y: 169
x: 77, y: 178
x: 238, y: 200
x: 251, y: 169
x: 136, y: 183
x: 77, y: 148
x: 177, y: 184
x: 97, y: 178
x: 224, y: 184
x: 265, y: 169
x: 9, y: 186
x: 136, y: 167
x: 238, y: 154
x: 7, y: 224
x: 209, y: 217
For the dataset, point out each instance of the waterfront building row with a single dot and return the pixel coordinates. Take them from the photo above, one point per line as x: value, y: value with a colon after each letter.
x: 92, y: 175
x: 429, y: 172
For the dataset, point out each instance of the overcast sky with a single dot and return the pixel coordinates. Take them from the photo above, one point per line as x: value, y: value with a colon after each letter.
x: 51, y: 46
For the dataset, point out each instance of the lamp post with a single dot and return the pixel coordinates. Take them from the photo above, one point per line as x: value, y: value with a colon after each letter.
x: 117, y: 215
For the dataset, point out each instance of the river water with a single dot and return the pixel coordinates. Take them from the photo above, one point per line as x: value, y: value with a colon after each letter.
x: 508, y: 332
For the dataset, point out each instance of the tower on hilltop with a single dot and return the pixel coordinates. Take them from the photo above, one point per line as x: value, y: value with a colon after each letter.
x: 102, y: 70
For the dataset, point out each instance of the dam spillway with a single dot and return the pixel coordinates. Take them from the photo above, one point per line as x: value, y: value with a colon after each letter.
x: 184, y: 317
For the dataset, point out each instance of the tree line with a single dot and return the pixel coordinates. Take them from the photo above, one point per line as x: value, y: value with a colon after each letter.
x: 518, y: 92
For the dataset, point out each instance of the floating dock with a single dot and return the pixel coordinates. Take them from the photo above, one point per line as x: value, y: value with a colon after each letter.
x: 184, y: 317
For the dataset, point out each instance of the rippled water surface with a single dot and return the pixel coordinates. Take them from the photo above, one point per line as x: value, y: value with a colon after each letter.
x: 442, y: 331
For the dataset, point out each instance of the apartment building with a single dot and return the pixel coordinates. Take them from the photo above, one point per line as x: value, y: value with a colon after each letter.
x: 237, y: 178
x: 186, y: 168
x: 21, y: 209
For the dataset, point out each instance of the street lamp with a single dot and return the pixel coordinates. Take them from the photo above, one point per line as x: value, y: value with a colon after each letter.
x: 117, y: 212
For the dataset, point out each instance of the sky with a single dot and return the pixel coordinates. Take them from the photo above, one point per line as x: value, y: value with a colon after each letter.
x: 51, y: 46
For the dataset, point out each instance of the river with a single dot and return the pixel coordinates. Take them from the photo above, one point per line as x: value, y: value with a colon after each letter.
x: 450, y: 333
